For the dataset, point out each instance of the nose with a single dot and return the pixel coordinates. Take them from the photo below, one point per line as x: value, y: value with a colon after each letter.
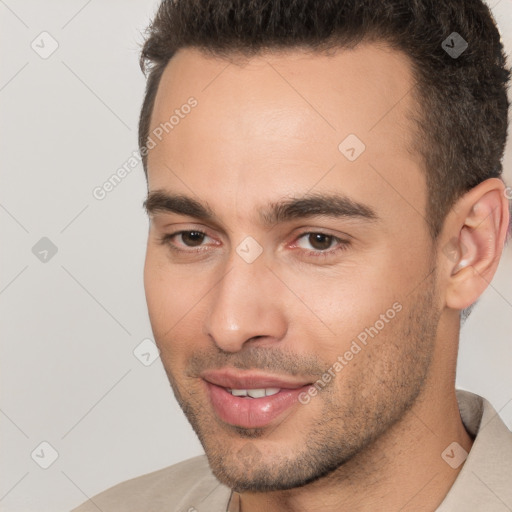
x: 246, y: 307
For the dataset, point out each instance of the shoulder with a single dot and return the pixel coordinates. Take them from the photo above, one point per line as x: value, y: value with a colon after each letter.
x: 180, y: 487
x: 485, y: 480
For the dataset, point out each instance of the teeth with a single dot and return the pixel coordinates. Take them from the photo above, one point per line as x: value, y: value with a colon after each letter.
x: 254, y: 393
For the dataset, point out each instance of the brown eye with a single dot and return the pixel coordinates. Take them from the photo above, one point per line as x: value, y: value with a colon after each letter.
x: 320, y: 241
x: 192, y: 238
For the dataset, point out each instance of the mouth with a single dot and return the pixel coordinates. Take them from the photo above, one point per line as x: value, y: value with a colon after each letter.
x: 251, y: 399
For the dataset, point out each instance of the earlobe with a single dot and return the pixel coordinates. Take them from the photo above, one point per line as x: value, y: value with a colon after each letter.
x: 476, y: 229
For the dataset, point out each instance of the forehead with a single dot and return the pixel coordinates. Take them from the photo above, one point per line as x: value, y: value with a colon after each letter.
x: 287, y: 122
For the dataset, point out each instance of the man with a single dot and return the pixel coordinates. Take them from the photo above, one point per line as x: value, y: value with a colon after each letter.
x: 325, y: 200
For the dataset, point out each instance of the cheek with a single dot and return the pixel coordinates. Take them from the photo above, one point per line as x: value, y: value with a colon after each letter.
x: 175, y: 299
x: 165, y: 304
x: 155, y: 286
x: 333, y: 309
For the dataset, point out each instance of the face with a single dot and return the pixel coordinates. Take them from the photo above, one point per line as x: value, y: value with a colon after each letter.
x: 289, y: 270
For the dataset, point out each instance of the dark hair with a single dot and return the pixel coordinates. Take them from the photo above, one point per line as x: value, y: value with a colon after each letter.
x: 461, y: 102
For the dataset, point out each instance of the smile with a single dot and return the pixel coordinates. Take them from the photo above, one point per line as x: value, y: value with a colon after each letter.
x: 251, y: 399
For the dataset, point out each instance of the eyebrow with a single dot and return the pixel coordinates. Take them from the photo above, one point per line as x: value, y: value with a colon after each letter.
x: 316, y: 204
x: 309, y: 205
x: 161, y: 202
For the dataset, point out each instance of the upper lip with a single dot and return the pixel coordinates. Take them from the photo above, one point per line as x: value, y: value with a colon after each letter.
x: 228, y: 378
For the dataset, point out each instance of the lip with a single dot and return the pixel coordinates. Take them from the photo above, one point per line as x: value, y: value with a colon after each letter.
x: 228, y: 378
x: 251, y: 412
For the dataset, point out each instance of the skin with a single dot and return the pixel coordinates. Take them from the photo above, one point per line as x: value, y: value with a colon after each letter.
x: 267, y: 129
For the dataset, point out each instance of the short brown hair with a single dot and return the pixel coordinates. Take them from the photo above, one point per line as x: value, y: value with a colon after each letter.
x: 463, y: 105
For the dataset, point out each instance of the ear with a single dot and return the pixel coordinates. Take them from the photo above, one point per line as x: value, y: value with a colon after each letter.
x: 472, y: 242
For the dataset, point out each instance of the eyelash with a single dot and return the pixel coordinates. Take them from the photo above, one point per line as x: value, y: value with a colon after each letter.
x: 342, y: 245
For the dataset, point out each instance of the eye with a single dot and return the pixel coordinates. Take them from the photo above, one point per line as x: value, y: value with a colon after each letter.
x: 321, y: 244
x: 192, y: 238
x: 319, y: 241
x: 185, y: 239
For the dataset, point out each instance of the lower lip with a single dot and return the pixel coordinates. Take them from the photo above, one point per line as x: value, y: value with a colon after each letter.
x: 251, y: 412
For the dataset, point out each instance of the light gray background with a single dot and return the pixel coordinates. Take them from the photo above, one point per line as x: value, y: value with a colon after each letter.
x: 69, y: 326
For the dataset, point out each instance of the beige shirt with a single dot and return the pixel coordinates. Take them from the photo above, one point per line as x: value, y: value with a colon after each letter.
x: 483, y: 484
